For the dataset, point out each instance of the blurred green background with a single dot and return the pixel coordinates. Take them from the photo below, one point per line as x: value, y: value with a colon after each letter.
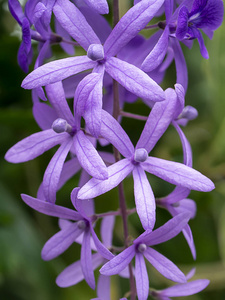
x: 23, y: 232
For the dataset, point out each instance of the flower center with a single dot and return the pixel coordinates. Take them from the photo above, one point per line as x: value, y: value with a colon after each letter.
x: 95, y: 52
x: 141, y: 248
x: 140, y: 155
x: 61, y: 125
x: 81, y: 224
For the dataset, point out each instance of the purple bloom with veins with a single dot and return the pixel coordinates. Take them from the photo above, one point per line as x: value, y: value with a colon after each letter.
x: 61, y: 241
x: 142, y: 248
x: 137, y: 161
x: 65, y: 131
x: 205, y: 14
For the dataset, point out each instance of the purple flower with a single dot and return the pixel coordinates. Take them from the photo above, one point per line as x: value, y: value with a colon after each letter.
x: 206, y: 15
x: 137, y: 161
x: 66, y: 132
x: 70, y: 232
x: 141, y: 249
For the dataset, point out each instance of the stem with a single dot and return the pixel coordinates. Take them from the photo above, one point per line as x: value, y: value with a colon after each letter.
x: 133, y: 116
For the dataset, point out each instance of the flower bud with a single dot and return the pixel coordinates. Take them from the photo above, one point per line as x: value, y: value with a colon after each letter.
x: 81, y: 224
x: 189, y: 113
x: 61, y: 125
x: 95, y: 52
x: 141, y: 248
x: 140, y: 155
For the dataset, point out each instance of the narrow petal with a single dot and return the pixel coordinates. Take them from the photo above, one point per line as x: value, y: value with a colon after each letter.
x: 179, y: 193
x: 112, y: 131
x: 73, y: 273
x: 16, y: 10
x: 44, y: 115
x: 60, y: 242
x: 166, y: 232
x: 116, y: 173
x: 178, y: 174
x: 100, y: 247
x: 144, y: 198
x: 34, y: 145
x: 89, y: 157
x: 130, y: 24
x: 156, y: 56
x: 101, y: 6
x: 51, y: 209
x: 158, y: 121
x: 103, y: 287
x: 164, y: 266
x: 85, y: 208
x: 56, y: 97
x: 54, y: 169
x: 86, y: 260
x: 182, y: 23
x: 57, y: 71
x: 107, y: 227
x: 119, y: 262
x: 72, y: 20
x: 141, y: 277
x: 187, y: 289
x: 134, y: 80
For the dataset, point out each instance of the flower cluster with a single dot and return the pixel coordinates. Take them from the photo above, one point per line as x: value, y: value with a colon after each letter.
x: 120, y: 66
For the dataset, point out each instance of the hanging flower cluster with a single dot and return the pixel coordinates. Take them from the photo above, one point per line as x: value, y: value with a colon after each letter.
x: 120, y: 66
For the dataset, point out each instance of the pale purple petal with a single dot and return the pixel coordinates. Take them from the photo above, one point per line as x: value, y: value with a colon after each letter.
x: 166, y: 232
x: 54, y: 169
x: 16, y: 10
x: 85, y: 208
x: 107, y: 226
x: 130, y: 24
x: 164, y: 266
x: 73, y: 273
x: 68, y: 48
x: 189, y: 238
x: 100, y: 247
x: 60, y: 242
x: 57, y: 71
x: 101, y: 6
x: 44, y: 115
x: 144, y: 198
x: 116, y: 173
x: 103, y: 287
x: 34, y: 145
x: 51, y: 209
x: 86, y: 260
x: 178, y: 174
x: 187, y: 152
x: 156, y: 56
x: 89, y: 157
x: 158, y: 121
x: 179, y: 193
x: 70, y: 168
x: 119, y: 262
x: 72, y: 20
x: 134, y: 80
x: 56, y: 96
x: 187, y: 289
x: 141, y: 277
x: 112, y: 131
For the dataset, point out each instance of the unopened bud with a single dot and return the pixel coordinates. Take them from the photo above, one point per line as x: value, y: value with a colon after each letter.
x: 61, y: 125
x: 140, y: 155
x: 141, y: 248
x: 95, y: 52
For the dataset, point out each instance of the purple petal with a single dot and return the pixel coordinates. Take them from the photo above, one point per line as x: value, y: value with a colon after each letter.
x: 178, y: 174
x: 141, y: 277
x: 187, y: 289
x: 182, y: 23
x: 100, y: 247
x: 51, y: 209
x: 68, y: 48
x: 144, y: 198
x: 179, y: 193
x: 189, y: 238
x: 166, y: 232
x: 103, y: 287
x: 114, y: 133
x: 72, y: 20
x: 119, y: 262
x: 16, y: 10
x: 86, y: 260
x: 54, y: 169
x: 34, y: 145
x: 130, y: 24
x: 89, y: 157
x: 202, y: 46
x: 164, y: 266
x: 181, y: 67
x: 158, y: 121
x: 107, y: 226
x: 70, y: 168
x: 56, y: 96
x: 57, y: 71
x: 60, y: 242
x: 134, y: 80
x: 44, y: 115
x: 116, y: 173
x: 101, y: 6
x: 156, y: 56
x: 73, y: 273
x: 85, y: 208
